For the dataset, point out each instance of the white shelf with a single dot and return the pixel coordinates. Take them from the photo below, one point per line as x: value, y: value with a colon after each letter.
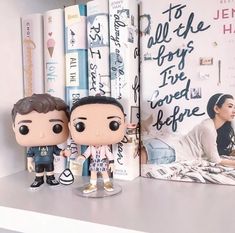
x: 145, y: 205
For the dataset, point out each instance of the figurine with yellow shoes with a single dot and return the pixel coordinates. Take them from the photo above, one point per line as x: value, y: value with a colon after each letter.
x: 98, y: 122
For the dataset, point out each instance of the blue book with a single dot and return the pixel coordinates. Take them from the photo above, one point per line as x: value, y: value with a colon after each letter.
x: 76, y: 59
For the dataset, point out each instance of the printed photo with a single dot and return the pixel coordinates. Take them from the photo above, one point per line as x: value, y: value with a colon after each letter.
x: 205, y: 154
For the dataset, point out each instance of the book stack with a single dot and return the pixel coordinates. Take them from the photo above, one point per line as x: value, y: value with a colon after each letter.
x: 97, y: 54
x: 183, y: 51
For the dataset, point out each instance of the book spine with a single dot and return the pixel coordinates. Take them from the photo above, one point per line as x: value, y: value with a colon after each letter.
x: 32, y: 47
x: 76, y: 63
x: 75, y: 53
x: 54, y: 64
x: 54, y: 53
x: 125, y: 82
x: 98, y: 47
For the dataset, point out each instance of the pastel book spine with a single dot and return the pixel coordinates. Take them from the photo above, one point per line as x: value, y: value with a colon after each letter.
x: 54, y: 64
x: 125, y: 83
x: 98, y: 47
x: 32, y: 47
x: 76, y: 61
x: 76, y: 53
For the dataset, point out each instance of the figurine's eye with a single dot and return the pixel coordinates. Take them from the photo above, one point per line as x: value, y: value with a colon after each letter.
x: 114, y: 125
x: 57, y: 128
x: 80, y: 126
x: 24, y: 129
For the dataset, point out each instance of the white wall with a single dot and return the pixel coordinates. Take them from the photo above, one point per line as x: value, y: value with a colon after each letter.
x: 12, y: 158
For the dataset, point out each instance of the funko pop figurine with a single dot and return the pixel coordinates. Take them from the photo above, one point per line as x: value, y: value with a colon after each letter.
x: 40, y: 122
x: 98, y: 122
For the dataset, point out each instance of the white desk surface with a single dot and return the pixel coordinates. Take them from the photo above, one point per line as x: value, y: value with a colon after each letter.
x: 145, y: 205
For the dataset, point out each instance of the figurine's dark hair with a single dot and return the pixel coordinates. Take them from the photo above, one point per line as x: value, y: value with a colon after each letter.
x: 225, y: 134
x: 41, y: 103
x: 96, y: 100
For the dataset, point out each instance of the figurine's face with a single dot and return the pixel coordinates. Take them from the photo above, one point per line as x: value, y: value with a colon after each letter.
x: 97, y: 124
x: 41, y: 129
